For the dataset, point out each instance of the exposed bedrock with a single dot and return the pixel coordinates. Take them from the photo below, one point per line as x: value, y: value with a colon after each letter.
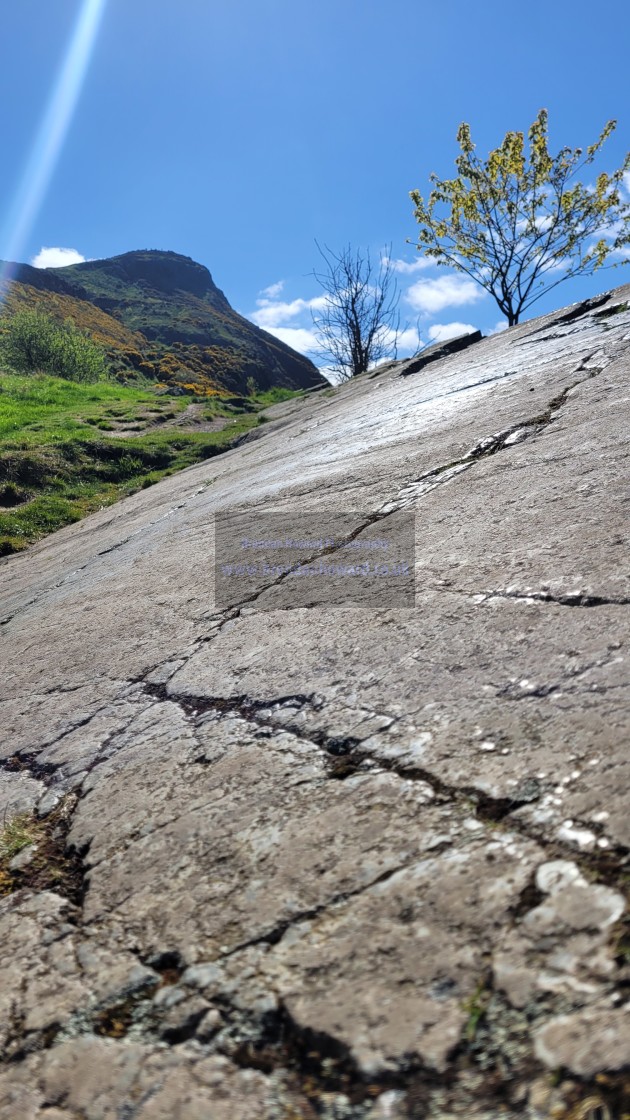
x: 295, y: 859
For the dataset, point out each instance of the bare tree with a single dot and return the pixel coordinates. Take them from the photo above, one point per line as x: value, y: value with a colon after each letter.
x: 357, y: 320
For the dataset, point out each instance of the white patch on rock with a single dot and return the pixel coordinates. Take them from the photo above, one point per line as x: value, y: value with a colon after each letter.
x: 557, y: 874
x: 583, y: 837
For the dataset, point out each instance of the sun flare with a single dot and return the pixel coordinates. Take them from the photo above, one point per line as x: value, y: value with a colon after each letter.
x: 51, y: 134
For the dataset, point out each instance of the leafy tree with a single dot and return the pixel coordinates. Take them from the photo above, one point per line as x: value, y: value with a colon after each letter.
x: 33, y: 342
x: 357, y: 319
x: 520, y: 226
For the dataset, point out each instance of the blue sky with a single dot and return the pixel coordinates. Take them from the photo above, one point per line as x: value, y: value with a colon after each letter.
x: 239, y: 132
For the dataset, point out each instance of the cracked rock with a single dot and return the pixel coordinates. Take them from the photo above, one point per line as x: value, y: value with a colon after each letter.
x: 102, y: 1080
x: 336, y: 861
x: 562, y: 945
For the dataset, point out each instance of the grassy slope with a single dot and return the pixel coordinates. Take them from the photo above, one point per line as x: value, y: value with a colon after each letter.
x: 58, y: 463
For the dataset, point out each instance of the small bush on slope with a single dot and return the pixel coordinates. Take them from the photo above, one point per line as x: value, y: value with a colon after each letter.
x: 35, y: 343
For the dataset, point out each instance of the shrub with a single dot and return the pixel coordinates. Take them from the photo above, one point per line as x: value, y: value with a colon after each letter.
x: 34, y: 342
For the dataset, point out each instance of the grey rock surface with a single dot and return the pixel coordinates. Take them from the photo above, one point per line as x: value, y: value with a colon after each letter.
x: 357, y: 862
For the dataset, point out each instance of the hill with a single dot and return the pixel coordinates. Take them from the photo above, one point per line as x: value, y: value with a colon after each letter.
x: 319, y: 843
x: 161, y: 315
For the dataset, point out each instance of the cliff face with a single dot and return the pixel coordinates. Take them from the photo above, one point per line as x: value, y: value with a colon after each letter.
x: 182, y: 329
x: 304, y: 850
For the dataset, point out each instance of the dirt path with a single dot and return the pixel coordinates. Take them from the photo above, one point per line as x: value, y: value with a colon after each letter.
x: 189, y: 420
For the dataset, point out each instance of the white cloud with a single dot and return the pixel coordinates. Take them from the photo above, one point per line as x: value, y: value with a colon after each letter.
x: 50, y: 256
x: 541, y: 222
x: 440, y: 332
x: 273, y: 291
x: 452, y: 290
x: 407, y: 267
x: 626, y: 182
x: 502, y: 325
x: 331, y: 375
x: 299, y: 338
x: 290, y: 321
x: 278, y: 317
x: 408, y: 341
x: 273, y: 313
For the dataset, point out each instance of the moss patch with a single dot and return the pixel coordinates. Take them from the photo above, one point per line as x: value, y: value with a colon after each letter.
x: 52, y: 865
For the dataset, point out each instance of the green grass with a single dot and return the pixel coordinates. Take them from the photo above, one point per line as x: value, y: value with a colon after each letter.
x: 17, y: 834
x: 58, y: 461
x: 275, y: 396
x: 234, y: 406
x: 61, y: 406
x: 476, y: 1007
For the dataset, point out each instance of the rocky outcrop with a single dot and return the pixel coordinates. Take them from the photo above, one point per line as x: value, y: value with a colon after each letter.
x: 304, y: 857
x: 439, y: 350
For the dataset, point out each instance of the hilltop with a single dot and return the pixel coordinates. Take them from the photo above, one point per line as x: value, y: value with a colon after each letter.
x: 160, y: 315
